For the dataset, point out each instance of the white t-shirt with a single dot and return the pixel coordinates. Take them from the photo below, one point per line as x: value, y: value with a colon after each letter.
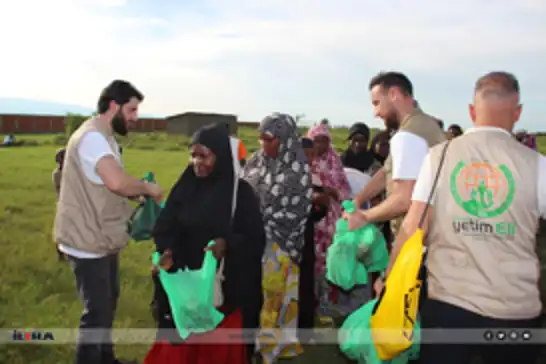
x: 93, y: 147
x: 424, y: 183
x: 408, y: 151
x: 357, y: 180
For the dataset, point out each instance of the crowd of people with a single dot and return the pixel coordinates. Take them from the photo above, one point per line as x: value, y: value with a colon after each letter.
x: 272, y: 217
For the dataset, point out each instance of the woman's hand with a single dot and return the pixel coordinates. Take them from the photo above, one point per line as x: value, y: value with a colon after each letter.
x: 165, y: 261
x: 218, y: 249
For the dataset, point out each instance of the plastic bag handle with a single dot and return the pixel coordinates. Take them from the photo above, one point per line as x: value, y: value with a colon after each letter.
x: 136, y: 210
x: 148, y: 178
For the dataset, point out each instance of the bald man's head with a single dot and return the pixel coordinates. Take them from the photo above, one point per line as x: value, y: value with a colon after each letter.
x: 497, y: 85
x: 496, y: 100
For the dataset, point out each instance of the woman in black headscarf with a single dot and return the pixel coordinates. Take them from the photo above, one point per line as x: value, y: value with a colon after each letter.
x: 380, y: 145
x: 198, y: 210
x: 358, y: 156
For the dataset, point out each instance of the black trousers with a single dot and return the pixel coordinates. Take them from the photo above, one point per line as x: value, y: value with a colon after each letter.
x: 97, y: 281
x: 306, y: 289
x: 441, y: 315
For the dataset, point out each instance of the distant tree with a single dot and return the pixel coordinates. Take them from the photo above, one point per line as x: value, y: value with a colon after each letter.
x: 73, y: 122
x: 299, y: 117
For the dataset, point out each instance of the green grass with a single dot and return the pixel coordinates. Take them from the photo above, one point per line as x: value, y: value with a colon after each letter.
x: 163, y: 142
x: 36, y: 291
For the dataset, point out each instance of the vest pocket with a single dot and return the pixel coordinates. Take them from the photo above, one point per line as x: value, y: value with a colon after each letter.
x: 114, y: 223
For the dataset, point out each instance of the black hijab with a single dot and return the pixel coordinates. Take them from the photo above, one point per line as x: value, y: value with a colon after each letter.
x: 203, y: 206
x: 307, y: 143
x: 360, y: 161
x: 381, y: 137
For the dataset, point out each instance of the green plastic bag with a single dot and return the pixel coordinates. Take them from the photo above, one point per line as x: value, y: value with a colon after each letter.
x: 353, y: 254
x: 372, y: 246
x: 373, y: 249
x: 142, y: 220
x: 356, y: 342
x: 191, y: 296
x: 341, y: 266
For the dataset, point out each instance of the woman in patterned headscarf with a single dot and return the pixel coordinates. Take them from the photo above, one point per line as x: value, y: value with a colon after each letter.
x: 282, y: 180
x: 327, y: 164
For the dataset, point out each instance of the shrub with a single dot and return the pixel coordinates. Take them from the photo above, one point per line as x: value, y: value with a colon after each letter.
x: 31, y: 143
x: 72, y: 122
x: 60, y: 139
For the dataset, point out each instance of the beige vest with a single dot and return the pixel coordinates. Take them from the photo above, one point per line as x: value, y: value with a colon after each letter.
x: 89, y: 217
x: 482, y: 236
x: 426, y: 127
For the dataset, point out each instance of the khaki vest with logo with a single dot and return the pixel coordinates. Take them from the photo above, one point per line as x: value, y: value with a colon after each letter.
x: 424, y: 126
x: 481, y: 254
x: 89, y: 217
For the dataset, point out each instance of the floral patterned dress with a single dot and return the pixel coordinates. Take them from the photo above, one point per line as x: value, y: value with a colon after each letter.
x: 330, y: 170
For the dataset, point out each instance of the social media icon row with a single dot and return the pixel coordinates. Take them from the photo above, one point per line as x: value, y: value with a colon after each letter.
x: 513, y: 335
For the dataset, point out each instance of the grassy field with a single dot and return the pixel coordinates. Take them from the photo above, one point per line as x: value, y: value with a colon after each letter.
x: 36, y: 291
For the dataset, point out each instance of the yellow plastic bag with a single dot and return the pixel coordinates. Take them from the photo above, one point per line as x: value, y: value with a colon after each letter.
x: 395, y: 315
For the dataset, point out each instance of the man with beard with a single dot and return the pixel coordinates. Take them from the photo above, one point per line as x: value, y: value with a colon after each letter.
x: 392, y: 99
x: 481, y: 278
x: 92, y: 214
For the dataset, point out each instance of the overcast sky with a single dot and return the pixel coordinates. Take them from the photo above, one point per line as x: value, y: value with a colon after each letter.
x: 255, y: 57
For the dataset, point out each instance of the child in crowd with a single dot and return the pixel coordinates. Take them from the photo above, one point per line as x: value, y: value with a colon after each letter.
x: 57, y: 174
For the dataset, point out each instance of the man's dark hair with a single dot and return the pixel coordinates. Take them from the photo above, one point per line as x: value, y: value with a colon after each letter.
x: 388, y: 80
x: 497, y: 83
x: 119, y: 91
